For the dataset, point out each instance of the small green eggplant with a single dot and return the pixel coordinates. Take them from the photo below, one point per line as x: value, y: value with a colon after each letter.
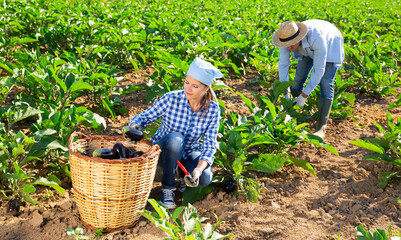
x: 105, y: 153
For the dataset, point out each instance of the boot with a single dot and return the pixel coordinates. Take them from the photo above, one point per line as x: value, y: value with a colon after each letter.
x: 295, y: 93
x: 324, y: 114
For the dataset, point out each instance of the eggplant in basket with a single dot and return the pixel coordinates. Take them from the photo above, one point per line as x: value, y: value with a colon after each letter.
x: 105, y: 153
x: 119, y: 151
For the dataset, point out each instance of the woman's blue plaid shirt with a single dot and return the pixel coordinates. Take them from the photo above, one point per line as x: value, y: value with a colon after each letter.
x: 177, y: 116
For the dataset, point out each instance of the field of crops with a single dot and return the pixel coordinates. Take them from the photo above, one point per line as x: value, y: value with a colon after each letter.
x: 89, y: 66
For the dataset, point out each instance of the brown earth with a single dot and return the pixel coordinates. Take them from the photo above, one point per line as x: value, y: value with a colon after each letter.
x: 292, y: 204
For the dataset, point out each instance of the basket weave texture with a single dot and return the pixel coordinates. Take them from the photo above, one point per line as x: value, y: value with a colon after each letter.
x: 109, y: 193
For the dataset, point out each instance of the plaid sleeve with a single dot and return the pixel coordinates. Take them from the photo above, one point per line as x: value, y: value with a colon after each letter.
x: 209, y: 145
x: 153, y: 113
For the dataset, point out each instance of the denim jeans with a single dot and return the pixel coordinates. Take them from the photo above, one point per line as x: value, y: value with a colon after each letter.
x: 304, y: 67
x: 172, y: 146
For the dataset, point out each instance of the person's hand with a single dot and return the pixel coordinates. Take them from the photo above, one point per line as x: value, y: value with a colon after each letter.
x: 287, y: 96
x: 135, y: 126
x: 193, y: 179
x: 299, y: 101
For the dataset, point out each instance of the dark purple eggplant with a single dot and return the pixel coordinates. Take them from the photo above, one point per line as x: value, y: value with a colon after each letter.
x: 105, y: 153
x: 132, y: 133
x: 229, y: 186
x: 121, y: 151
x: 136, y: 154
x: 13, y: 206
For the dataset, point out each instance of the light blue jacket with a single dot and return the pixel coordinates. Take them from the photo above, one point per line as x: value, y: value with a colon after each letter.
x: 323, y: 43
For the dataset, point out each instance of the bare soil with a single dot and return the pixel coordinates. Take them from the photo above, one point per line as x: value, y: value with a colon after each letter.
x: 293, y: 204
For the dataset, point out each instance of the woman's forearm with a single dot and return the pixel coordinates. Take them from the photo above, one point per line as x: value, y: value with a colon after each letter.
x: 202, y: 164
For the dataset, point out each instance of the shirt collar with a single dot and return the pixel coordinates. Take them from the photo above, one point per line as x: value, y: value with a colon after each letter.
x: 305, y: 43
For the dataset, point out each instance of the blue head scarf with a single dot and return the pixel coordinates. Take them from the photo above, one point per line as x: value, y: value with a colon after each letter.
x: 203, y: 71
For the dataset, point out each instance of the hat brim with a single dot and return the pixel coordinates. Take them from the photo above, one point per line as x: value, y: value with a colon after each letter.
x: 302, y: 32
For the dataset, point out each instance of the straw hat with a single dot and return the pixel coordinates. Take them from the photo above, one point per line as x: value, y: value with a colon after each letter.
x: 289, y: 34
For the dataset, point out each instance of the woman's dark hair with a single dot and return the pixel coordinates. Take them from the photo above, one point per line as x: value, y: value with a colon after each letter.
x: 205, y: 102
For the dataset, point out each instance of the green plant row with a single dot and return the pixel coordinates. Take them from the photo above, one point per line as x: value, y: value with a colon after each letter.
x: 386, y: 148
x: 237, y: 35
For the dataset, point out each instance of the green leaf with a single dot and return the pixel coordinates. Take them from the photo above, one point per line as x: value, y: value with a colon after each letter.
x: 43, y: 132
x: 25, y: 113
x: 160, y: 209
x: 380, y: 157
x: 49, y: 142
x: 28, y: 189
x: 280, y: 88
x: 27, y: 40
x: 60, y: 82
x: 261, y: 141
x: 247, y: 101
x: 272, y: 108
x: 6, y: 66
x: 191, y: 195
x: 234, y: 142
x: 177, y: 212
x: 385, y: 177
x: 238, y: 164
x: 79, y: 86
x: 109, y: 106
x: 17, y: 151
x: 46, y: 182
x: 367, y: 145
x: 268, y: 163
x: 303, y: 164
x: 70, y: 231
x: 362, y: 234
x: 317, y: 141
x: 25, y: 195
x: 393, y: 105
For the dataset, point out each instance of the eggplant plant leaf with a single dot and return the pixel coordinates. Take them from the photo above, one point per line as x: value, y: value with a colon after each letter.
x: 367, y: 145
x: 385, y: 177
x: 46, y: 182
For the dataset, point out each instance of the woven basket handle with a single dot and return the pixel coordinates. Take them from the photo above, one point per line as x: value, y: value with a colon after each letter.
x: 76, y: 134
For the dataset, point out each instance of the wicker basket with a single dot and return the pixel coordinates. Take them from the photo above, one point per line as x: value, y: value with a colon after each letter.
x: 108, y: 193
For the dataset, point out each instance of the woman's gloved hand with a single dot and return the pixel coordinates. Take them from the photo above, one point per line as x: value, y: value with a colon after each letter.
x: 193, y: 179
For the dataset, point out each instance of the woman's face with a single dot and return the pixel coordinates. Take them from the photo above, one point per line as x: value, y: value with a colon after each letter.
x: 194, y: 90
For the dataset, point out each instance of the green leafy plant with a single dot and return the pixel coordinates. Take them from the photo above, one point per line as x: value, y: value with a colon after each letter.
x: 14, y: 180
x: 378, y: 234
x: 263, y: 141
x: 396, y: 103
x: 77, y: 234
x: 169, y: 75
x: 191, y: 226
x: 387, y: 148
x: 343, y: 100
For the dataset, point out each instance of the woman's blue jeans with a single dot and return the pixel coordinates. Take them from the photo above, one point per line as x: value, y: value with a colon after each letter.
x: 172, y: 146
x: 304, y: 67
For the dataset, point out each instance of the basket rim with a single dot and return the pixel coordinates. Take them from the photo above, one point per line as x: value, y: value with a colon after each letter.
x: 150, y: 154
